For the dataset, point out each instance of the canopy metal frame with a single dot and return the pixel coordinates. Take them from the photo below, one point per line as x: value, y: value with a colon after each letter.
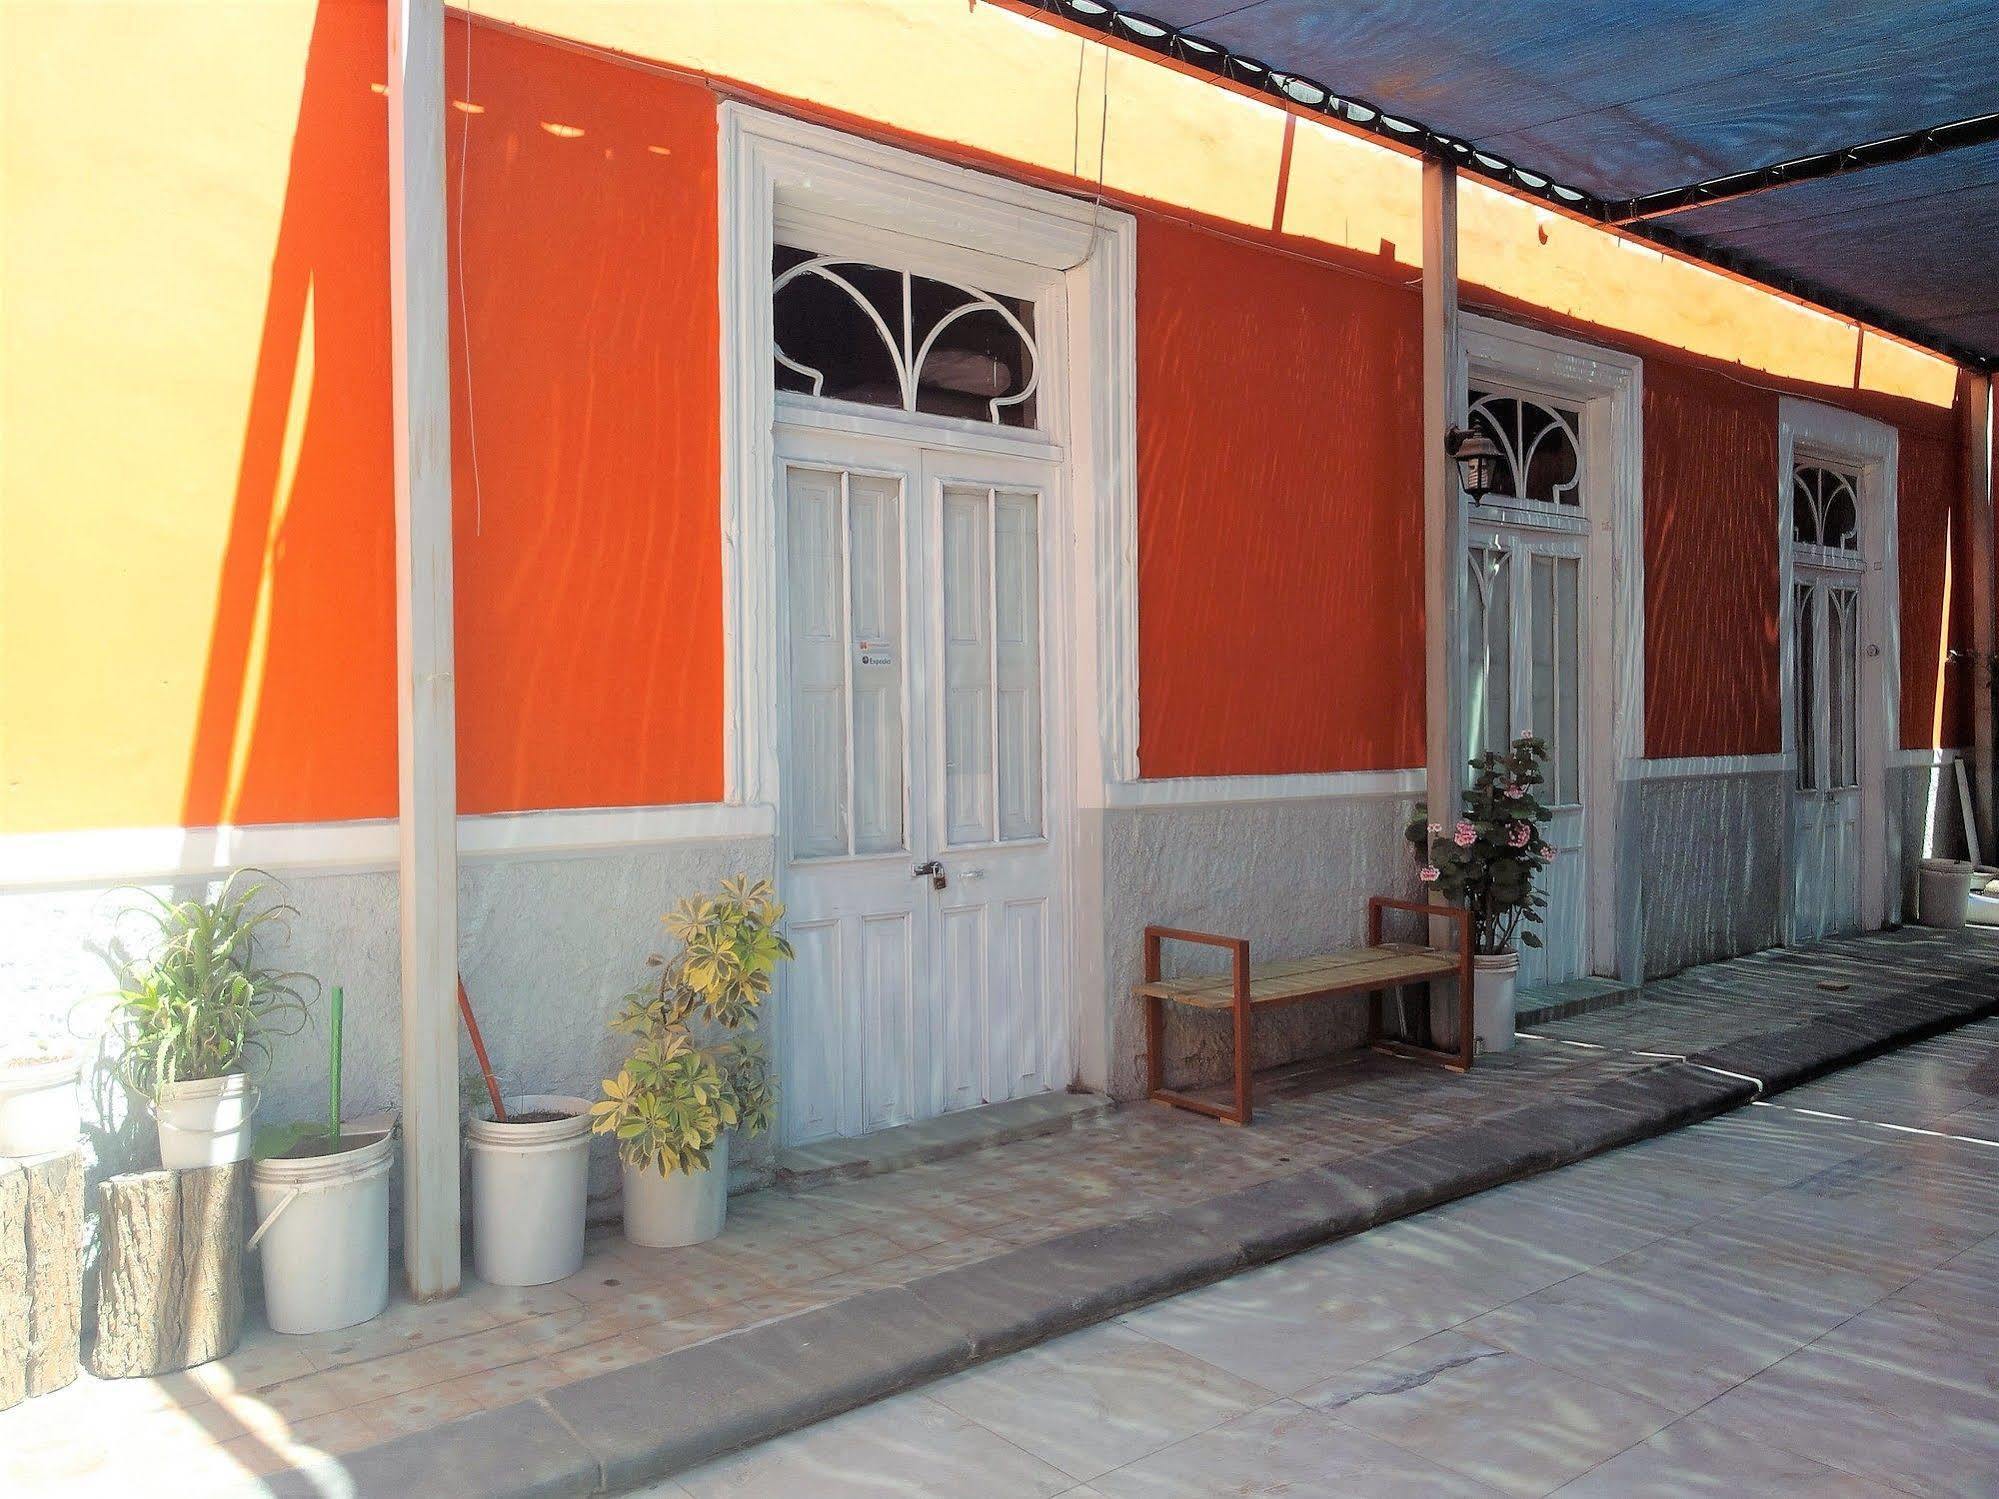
x: 1641, y: 216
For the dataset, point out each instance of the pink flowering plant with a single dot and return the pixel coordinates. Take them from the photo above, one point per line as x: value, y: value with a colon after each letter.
x: 1487, y: 860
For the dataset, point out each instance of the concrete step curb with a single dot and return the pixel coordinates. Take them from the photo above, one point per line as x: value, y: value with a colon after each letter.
x: 615, y: 1431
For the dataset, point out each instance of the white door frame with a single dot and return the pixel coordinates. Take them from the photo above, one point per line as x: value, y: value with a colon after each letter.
x: 1872, y: 448
x: 857, y: 196
x: 1609, y: 385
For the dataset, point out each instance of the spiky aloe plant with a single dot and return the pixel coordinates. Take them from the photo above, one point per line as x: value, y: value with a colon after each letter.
x: 675, y: 1095
x: 199, y: 1004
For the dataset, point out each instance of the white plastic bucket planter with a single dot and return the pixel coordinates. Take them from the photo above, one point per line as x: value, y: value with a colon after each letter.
x: 529, y: 1182
x: 38, y: 1107
x: 1946, y: 891
x: 1492, y: 984
x: 323, y: 1224
x: 205, y: 1122
x: 669, y: 1212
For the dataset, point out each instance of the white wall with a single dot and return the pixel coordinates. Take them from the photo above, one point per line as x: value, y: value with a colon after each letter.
x: 548, y: 946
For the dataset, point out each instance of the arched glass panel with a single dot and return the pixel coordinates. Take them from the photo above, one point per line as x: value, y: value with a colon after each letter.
x: 1825, y: 508
x: 851, y: 331
x: 1540, y: 446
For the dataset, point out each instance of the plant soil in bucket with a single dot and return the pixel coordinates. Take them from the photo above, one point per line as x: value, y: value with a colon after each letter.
x: 1492, y: 992
x: 323, y: 1224
x: 205, y: 1121
x: 680, y: 1208
x: 38, y: 1105
x: 530, y: 1176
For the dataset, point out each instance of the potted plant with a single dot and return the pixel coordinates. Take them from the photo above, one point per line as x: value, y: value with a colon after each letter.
x: 191, y: 1014
x: 38, y: 1103
x: 1486, y: 863
x: 697, y: 1070
x: 322, y: 1193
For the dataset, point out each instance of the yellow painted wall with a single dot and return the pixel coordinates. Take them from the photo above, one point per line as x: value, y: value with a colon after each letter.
x: 157, y: 384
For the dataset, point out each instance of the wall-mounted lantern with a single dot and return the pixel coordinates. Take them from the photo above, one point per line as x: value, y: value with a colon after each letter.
x: 1477, y: 457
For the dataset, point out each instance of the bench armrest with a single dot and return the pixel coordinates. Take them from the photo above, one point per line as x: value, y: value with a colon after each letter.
x: 1179, y: 934
x: 1376, y: 904
x: 1237, y: 947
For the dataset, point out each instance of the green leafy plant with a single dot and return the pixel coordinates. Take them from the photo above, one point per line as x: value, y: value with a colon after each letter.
x: 695, y: 1069
x: 199, y: 1004
x: 1486, y: 863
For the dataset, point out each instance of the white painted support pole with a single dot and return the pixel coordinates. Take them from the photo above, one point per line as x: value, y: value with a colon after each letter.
x: 1443, y: 549
x: 1978, y: 439
x: 426, y: 726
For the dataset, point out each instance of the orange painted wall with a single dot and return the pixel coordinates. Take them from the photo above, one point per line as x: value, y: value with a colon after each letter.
x: 1280, y: 538
x: 588, y: 528
x: 1712, y: 656
x: 1933, y: 533
x: 196, y: 577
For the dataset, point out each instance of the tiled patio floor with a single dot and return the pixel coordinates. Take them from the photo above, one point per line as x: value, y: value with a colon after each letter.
x: 279, y: 1401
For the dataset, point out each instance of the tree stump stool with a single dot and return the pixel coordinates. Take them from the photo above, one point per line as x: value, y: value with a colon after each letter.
x: 169, y: 1269
x: 41, y: 1272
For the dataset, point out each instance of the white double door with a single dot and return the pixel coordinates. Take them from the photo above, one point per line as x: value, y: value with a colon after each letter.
x: 1825, y: 795
x: 1527, y: 660
x: 919, y: 837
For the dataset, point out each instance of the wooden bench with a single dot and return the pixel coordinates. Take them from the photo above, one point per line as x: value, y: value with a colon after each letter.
x: 1249, y: 987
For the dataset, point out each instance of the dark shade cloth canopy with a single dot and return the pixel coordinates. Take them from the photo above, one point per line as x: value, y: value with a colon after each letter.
x: 1616, y: 100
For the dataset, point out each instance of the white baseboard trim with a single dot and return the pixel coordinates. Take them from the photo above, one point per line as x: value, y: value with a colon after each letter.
x: 1690, y: 766
x: 1926, y: 759
x: 120, y: 856
x: 1196, y: 791
x: 609, y: 829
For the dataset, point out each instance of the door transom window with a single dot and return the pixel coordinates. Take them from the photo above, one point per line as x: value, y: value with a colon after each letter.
x: 849, y: 330
x: 1540, y: 446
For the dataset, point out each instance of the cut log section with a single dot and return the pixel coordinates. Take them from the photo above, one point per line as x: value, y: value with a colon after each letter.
x: 169, y: 1270
x: 41, y: 1273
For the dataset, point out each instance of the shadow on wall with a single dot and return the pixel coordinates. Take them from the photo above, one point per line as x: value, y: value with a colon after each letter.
x: 297, y: 713
x: 588, y: 587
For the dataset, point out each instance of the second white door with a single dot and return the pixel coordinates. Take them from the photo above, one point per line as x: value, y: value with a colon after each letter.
x: 920, y: 863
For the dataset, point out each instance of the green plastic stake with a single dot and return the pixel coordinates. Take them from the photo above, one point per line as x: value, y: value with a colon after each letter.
x: 333, y: 1076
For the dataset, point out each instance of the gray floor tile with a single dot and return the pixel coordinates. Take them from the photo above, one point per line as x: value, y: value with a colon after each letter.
x: 1923, y: 1436
x: 1099, y: 1399
x: 1284, y: 1451
x: 908, y: 1448
x: 1488, y: 1413
x: 1695, y: 1459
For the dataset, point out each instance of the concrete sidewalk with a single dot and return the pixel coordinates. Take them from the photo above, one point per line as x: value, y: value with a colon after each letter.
x: 1796, y: 1300
x: 649, y: 1363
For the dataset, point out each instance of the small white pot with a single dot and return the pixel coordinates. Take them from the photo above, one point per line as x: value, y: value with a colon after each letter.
x: 205, y: 1122
x: 38, y: 1105
x: 1492, y: 982
x: 323, y: 1224
x: 529, y: 1182
x: 668, y: 1212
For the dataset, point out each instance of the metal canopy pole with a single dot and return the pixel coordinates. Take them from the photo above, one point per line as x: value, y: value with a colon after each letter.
x: 1977, y: 413
x: 1443, y: 548
x: 426, y: 727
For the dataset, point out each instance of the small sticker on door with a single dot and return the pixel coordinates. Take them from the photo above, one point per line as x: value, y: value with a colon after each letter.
x: 875, y: 652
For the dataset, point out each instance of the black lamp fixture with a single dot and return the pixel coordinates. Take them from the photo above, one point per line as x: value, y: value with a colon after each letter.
x: 1478, y: 459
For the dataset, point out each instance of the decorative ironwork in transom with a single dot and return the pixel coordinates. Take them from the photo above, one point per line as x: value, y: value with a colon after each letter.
x: 1540, y: 446
x: 848, y: 330
x: 1825, y: 508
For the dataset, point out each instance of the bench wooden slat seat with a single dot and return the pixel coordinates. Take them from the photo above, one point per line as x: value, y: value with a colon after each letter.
x: 1307, y: 978
x: 1246, y: 987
